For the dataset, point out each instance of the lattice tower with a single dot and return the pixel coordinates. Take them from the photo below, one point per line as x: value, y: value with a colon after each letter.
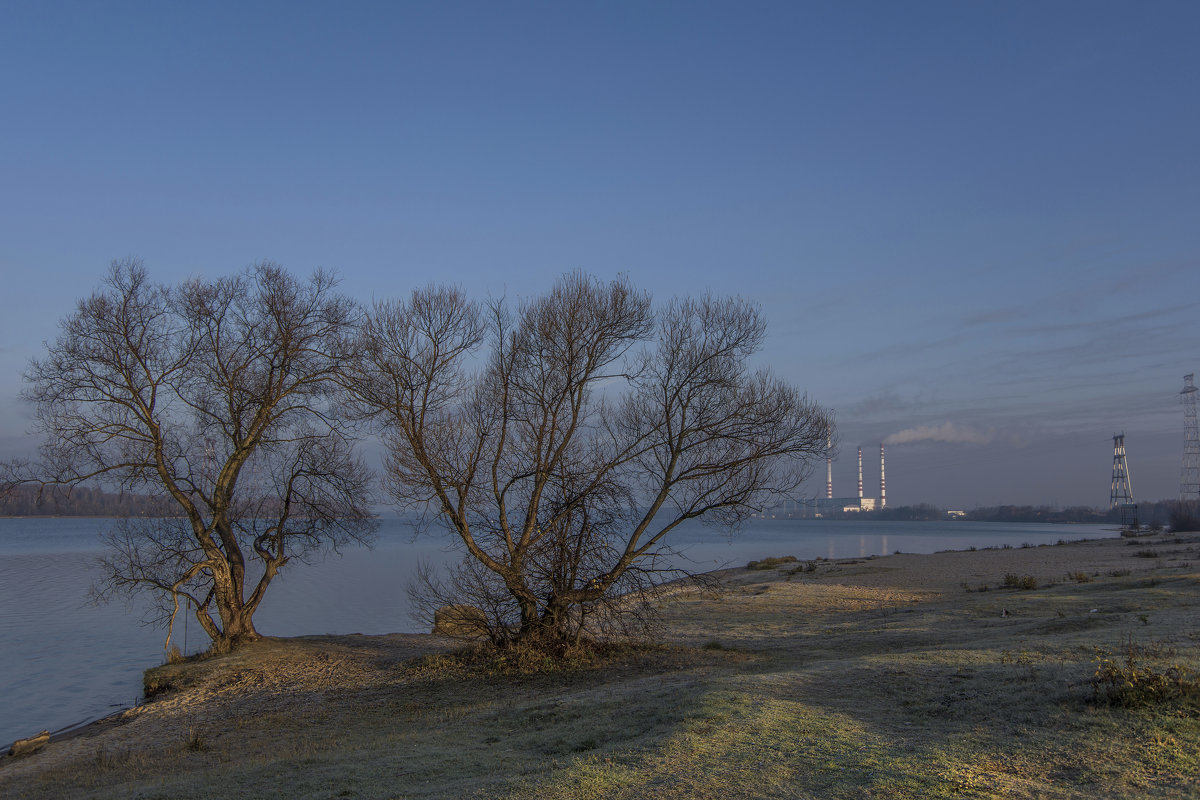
x: 1122, y: 491
x: 1189, y: 476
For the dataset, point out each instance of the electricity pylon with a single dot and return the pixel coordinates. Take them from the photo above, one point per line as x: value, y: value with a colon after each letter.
x: 1121, y: 495
x: 1189, y: 476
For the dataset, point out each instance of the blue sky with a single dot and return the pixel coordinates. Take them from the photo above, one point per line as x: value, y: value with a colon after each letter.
x: 972, y: 221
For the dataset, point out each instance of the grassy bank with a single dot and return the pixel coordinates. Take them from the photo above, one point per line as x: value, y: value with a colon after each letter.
x: 949, y: 675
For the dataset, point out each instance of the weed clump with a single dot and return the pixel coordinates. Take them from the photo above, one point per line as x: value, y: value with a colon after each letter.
x: 1127, y: 681
x: 1022, y: 582
x: 771, y: 563
x: 195, y: 741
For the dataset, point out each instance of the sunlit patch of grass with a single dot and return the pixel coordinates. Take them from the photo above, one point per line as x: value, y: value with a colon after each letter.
x: 732, y: 739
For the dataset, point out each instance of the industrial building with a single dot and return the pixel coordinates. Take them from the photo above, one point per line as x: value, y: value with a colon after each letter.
x: 829, y: 504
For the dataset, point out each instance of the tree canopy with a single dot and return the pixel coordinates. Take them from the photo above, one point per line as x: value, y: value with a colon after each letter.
x: 564, y: 440
x: 214, y: 397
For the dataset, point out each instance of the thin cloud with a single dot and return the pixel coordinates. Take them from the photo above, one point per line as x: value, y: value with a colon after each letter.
x: 946, y: 432
x: 1086, y: 326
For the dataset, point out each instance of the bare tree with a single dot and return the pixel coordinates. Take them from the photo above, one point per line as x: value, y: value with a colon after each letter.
x: 591, y: 430
x: 214, y: 396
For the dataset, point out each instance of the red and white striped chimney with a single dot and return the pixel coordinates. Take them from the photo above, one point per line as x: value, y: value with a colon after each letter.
x: 882, y: 481
x: 860, y: 475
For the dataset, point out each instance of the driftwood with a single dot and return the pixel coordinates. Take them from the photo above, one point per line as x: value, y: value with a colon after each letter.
x: 23, y: 747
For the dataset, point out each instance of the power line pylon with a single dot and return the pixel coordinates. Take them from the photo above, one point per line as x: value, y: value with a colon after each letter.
x: 1121, y: 495
x: 1189, y: 476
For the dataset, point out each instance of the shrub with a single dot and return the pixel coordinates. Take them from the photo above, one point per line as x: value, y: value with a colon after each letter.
x: 1080, y: 577
x: 1146, y: 554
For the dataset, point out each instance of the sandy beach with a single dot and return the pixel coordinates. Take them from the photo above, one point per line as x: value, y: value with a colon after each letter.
x: 957, y: 674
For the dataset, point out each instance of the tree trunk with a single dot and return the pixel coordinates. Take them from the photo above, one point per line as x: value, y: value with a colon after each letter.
x: 236, y: 617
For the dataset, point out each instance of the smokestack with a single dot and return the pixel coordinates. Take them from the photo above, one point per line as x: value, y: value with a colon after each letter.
x: 828, y: 467
x: 882, y: 481
x: 860, y: 475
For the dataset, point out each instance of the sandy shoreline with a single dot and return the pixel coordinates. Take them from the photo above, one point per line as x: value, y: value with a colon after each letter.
x: 927, y: 571
x: 321, y: 690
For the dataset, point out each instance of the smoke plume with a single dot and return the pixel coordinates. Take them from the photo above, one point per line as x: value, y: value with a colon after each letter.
x: 946, y: 432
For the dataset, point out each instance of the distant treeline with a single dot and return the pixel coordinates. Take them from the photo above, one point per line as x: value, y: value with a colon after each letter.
x: 922, y: 512
x: 1158, y: 514
x: 1042, y: 514
x: 58, y: 501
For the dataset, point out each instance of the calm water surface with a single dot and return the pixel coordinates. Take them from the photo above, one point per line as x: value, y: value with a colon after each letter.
x: 65, y: 660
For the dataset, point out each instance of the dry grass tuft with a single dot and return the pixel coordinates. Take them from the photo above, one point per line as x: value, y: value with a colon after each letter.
x: 1133, y: 679
x: 771, y: 563
x: 1021, y: 582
